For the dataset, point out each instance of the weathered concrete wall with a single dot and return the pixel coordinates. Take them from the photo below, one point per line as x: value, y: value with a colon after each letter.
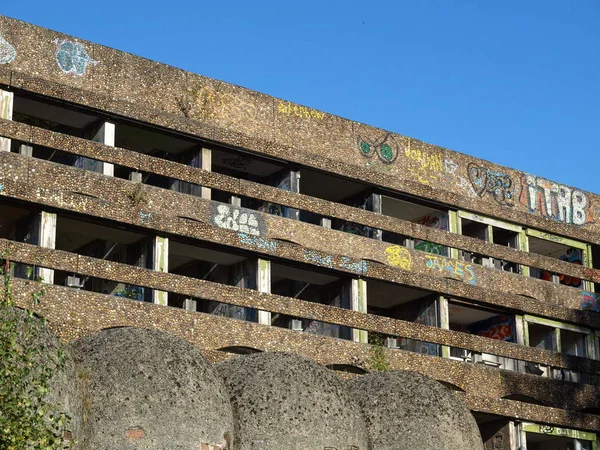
x: 60, y: 66
x: 282, y: 401
x: 142, y: 388
x: 405, y: 410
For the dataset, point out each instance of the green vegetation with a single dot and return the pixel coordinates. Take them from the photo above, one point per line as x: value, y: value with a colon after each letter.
x: 378, y: 360
x: 28, y: 419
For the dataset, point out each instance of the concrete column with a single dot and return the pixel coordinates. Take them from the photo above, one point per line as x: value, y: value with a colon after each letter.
x: 190, y: 305
x: 160, y: 263
x: 326, y: 222
x: 38, y: 229
x: 6, y: 112
x: 444, y: 322
x: 106, y: 135
x: 235, y: 201
x: 26, y: 150
x: 206, y: 165
x: 200, y: 158
x: 358, y: 302
x: 263, y: 284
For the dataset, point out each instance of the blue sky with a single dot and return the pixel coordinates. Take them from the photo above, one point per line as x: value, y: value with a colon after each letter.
x: 513, y: 82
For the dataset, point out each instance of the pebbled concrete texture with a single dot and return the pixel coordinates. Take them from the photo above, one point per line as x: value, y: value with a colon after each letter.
x: 146, y: 389
x: 406, y: 410
x: 285, y: 401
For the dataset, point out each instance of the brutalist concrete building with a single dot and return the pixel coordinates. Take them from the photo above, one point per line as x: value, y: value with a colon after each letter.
x: 145, y: 196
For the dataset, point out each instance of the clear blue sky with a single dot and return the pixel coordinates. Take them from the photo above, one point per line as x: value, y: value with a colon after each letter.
x: 514, y: 82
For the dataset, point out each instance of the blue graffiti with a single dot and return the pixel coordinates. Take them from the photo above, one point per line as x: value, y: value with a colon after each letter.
x: 145, y: 217
x: 354, y: 266
x: 72, y: 58
x: 318, y: 258
x: 7, y: 52
x: 590, y: 301
x: 258, y: 242
x: 1, y: 188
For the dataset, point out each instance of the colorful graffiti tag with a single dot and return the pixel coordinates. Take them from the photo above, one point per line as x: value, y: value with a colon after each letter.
x: 7, y: 52
x: 590, y: 301
x: 385, y: 148
x: 299, y: 111
x: 573, y: 256
x: 497, y: 327
x: 497, y: 184
x: 441, y: 223
x: 322, y: 259
x: 237, y: 219
x: 72, y: 58
x: 212, y: 103
x: 398, y: 256
x: 555, y: 201
x: 257, y: 242
x: 429, y: 165
x: 456, y: 269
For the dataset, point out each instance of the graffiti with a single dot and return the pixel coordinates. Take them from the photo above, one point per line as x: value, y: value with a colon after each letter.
x: 72, y: 57
x: 573, y: 256
x: 399, y: 257
x: 547, y: 429
x: 497, y: 327
x: 318, y: 258
x: 241, y: 162
x: 223, y: 105
x: 450, y: 166
x: 555, y: 201
x: 354, y: 266
x: 258, y: 242
x: 1, y: 188
x: 237, y: 219
x: 465, y: 186
x: 455, y: 268
x: 7, y: 52
x: 439, y: 222
x: 590, y: 301
x: 145, y: 217
x: 386, y: 148
x: 497, y: 184
x: 315, y: 257
x: 299, y: 111
x: 429, y: 165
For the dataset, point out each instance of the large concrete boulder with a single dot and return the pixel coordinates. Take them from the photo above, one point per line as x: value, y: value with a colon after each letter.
x: 145, y: 389
x: 283, y: 401
x: 408, y: 411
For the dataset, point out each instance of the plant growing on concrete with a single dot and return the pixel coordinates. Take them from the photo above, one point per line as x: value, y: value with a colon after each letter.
x: 378, y: 359
x: 28, y: 419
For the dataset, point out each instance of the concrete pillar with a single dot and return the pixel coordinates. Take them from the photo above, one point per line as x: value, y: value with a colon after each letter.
x: 190, y: 305
x: 326, y: 222
x: 26, y: 150
x: 6, y: 112
x: 263, y: 284
x: 39, y: 229
x: 160, y: 263
x: 444, y: 322
x: 359, y: 303
x: 200, y: 158
x: 106, y: 135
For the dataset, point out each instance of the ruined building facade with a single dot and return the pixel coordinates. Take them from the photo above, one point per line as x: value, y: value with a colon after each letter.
x: 147, y: 196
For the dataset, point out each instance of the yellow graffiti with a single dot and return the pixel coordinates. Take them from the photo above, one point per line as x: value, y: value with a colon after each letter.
x: 399, y: 256
x: 455, y: 268
x: 299, y: 111
x: 429, y: 166
x: 224, y: 105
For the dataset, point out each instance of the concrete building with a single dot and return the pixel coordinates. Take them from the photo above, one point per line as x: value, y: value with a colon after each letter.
x: 151, y: 197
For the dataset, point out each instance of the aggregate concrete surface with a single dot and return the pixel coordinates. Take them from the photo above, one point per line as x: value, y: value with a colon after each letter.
x: 408, y: 411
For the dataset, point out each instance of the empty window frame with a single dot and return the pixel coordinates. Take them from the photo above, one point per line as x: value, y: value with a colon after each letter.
x: 561, y: 338
x: 430, y: 215
x: 533, y: 436
x: 491, y: 323
x: 493, y: 231
x: 562, y: 248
